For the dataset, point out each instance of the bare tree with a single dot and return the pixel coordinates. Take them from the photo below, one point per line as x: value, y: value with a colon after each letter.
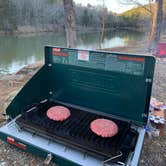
x: 156, y: 15
x: 103, y: 24
x: 157, y: 25
x: 70, y: 24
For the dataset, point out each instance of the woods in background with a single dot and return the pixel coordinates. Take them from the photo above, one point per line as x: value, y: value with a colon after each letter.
x: 156, y: 10
x: 19, y: 16
x: 47, y: 14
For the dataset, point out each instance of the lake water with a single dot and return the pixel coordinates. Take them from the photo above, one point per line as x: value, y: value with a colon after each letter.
x: 18, y: 51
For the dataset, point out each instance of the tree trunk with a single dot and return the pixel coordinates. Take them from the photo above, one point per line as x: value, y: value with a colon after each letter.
x: 103, y: 25
x: 157, y: 25
x: 102, y: 30
x: 70, y: 25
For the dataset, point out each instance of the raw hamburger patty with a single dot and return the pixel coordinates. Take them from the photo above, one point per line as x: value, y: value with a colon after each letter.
x: 58, y: 113
x: 104, y: 127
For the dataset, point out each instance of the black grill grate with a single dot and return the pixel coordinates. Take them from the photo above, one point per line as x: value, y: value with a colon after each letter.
x: 75, y: 131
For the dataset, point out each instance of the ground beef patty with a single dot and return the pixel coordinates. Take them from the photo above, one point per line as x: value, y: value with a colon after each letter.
x: 58, y: 113
x: 104, y: 127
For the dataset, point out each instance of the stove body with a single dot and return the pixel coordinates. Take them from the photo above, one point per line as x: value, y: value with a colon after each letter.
x: 92, y: 84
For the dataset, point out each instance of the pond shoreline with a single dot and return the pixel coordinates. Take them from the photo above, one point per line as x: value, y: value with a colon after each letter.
x: 18, y: 51
x: 23, y: 30
x: 31, y: 29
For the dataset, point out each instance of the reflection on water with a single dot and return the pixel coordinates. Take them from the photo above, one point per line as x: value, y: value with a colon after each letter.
x: 114, y: 42
x: 18, y: 51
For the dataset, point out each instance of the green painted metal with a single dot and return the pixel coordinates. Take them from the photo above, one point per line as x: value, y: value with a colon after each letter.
x: 112, y: 83
x: 59, y: 160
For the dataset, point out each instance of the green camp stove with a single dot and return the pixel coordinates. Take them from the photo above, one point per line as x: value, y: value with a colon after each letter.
x: 92, y: 85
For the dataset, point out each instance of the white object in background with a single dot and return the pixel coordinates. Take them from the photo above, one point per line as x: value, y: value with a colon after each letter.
x: 156, y: 133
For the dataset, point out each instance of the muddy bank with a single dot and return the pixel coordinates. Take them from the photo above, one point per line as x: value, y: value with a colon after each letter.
x: 28, y: 29
x: 11, y: 83
x: 31, y: 29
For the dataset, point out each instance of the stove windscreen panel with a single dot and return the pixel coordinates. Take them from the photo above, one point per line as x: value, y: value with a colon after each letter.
x: 104, y: 81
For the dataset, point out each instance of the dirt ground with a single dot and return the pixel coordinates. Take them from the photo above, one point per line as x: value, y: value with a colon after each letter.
x: 154, y: 150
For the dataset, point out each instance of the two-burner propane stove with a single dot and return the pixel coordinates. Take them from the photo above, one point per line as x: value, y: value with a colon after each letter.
x: 76, y: 132
x: 92, y: 85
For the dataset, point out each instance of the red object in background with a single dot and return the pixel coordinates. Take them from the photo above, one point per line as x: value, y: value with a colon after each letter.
x: 104, y: 128
x: 161, y: 50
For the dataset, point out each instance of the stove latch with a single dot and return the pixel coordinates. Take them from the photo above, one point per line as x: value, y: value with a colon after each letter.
x: 48, y: 159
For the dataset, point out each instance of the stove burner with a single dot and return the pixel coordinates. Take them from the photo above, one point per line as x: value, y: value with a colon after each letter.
x: 58, y: 113
x: 75, y: 131
x: 104, y: 127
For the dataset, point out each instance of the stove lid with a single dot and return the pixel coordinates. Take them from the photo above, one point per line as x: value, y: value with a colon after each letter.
x: 114, y: 84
